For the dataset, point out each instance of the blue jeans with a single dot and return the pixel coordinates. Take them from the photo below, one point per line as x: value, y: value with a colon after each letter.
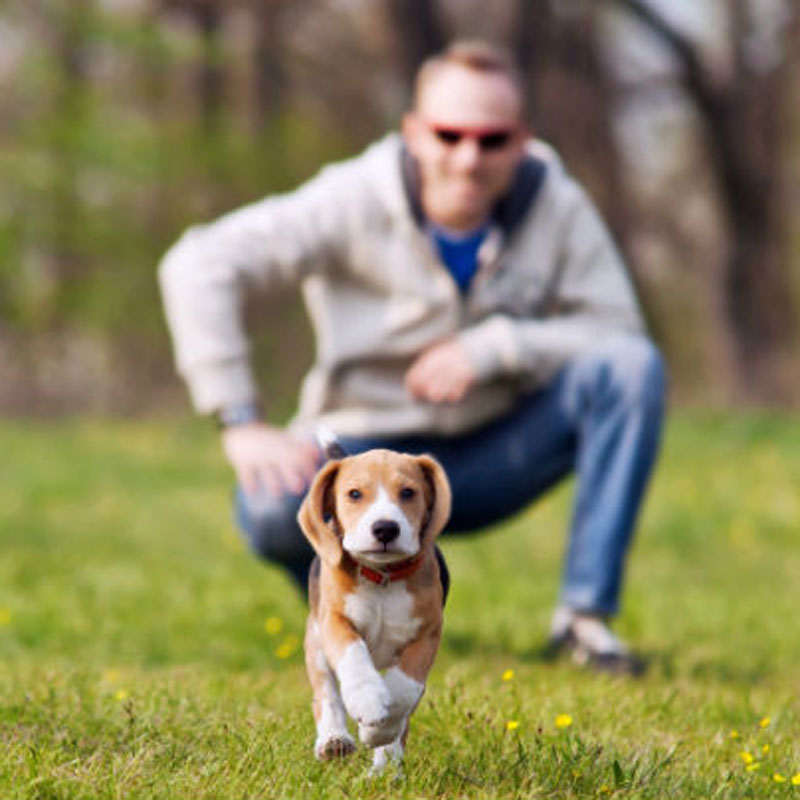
x: 600, y: 417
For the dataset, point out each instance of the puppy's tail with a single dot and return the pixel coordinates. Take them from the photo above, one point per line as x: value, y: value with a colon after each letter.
x: 329, y: 443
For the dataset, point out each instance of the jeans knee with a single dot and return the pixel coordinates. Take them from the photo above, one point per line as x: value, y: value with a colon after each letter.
x: 270, y: 526
x: 632, y: 369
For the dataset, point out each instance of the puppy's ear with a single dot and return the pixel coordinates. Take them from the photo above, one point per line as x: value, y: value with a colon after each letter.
x: 317, y: 515
x: 438, y: 494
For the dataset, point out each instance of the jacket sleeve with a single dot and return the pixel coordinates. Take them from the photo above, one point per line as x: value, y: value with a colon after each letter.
x: 203, y: 277
x: 590, y: 300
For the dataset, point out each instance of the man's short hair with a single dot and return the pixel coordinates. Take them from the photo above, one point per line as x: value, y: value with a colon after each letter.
x: 473, y: 54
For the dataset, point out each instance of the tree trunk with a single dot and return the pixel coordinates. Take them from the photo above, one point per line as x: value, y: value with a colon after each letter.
x: 742, y: 113
x: 569, y: 97
x: 211, y: 76
x: 72, y: 107
x: 419, y: 33
x: 270, y: 75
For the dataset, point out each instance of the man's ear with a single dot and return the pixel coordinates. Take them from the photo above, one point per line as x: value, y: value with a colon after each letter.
x: 411, y: 130
x: 439, y: 494
x: 317, y: 515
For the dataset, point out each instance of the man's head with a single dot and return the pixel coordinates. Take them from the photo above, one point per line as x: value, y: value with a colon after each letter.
x: 465, y: 132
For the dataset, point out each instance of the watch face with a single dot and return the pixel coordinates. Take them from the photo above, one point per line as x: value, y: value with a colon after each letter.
x: 242, y: 414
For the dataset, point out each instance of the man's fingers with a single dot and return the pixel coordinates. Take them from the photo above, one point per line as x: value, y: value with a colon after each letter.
x: 438, y: 386
x: 310, y: 456
x: 248, y: 478
x: 290, y: 471
x: 422, y: 376
x: 292, y: 478
x: 442, y: 374
x: 270, y: 460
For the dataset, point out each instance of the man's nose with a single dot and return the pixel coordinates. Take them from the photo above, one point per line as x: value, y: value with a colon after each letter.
x: 468, y: 151
x: 385, y: 530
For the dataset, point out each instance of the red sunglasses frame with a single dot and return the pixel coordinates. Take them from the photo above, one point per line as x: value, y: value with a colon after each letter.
x: 488, y: 138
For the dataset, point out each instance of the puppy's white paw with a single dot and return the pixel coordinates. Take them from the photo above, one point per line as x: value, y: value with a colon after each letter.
x: 405, y: 691
x: 386, y: 754
x: 383, y: 734
x: 363, y: 690
x: 337, y: 745
x: 368, y: 702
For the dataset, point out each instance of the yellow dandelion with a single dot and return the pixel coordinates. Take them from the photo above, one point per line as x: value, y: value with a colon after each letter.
x: 273, y: 625
x: 508, y: 675
x: 734, y: 734
x: 563, y: 721
x: 111, y: 675
x: 765, y: 749
x: 287, y: 647
x: 764, y: 722
x: 748, y: 758
x: 512, y: 725
x: 778, y: 778
x: 754, y: 766
x: 121, y: 695
x: 604, y: 789
x: 5, y: 617
x: 796, y: 779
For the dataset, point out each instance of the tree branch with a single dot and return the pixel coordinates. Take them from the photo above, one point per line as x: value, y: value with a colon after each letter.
x: 710, y: 97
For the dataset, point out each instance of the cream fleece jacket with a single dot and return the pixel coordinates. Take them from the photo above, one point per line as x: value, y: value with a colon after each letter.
x: 377, y: 294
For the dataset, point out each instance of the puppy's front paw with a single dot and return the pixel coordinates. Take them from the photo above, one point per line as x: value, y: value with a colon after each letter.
x: 337, y: 745
x: 368, y: 702
x: 405, y: 691
x: 382, y: 734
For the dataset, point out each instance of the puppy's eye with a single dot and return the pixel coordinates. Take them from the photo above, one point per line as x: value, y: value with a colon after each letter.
x: 354, y: 494
x: 407, y: 493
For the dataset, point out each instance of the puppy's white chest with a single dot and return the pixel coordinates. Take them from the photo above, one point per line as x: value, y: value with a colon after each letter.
x: 383, y: 617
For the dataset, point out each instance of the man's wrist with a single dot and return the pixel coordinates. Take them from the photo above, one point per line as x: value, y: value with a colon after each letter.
x: 234, y: 415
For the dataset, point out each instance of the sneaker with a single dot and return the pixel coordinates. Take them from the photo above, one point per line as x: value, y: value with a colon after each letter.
x: 590, y: 643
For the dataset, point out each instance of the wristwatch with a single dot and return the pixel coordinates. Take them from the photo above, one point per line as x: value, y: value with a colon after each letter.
x: 239, y: 414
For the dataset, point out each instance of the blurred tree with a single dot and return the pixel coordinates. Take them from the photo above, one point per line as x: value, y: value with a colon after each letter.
x: 419, y: 32
x: 569, y: 95
x: 743, y: 107
x: 271, y: 79
x: 123, y: 121
x: 207, y: 16
x: 67, y: 30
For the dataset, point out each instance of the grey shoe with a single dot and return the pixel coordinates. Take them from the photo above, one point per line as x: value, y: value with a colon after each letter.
x: 590, y: 643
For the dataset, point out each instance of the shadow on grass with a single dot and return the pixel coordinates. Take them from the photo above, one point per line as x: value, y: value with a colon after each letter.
x: 666, y: 665
x: 672, y: 664
x: 470, y: 645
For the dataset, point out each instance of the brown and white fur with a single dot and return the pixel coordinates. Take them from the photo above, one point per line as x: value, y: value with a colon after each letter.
x: 376, y: 596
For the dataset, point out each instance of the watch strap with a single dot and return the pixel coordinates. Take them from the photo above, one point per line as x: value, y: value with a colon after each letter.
x: 235, y: 414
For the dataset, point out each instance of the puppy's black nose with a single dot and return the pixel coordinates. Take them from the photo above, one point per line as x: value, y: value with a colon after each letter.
x: 385, y: 530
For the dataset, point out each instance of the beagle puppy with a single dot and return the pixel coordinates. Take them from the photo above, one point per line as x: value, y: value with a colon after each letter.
x: 376, y: 591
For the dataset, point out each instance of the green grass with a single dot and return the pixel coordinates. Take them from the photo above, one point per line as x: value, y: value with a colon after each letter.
x: 136, y: 660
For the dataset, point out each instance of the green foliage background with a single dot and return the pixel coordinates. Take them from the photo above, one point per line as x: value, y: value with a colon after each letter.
x: 111, y: 144
x: 102, y: 172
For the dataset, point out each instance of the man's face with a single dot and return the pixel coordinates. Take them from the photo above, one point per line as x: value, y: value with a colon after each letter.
x: 467, y: 139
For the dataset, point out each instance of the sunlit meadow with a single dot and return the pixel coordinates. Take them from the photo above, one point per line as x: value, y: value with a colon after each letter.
x: 145, y: 654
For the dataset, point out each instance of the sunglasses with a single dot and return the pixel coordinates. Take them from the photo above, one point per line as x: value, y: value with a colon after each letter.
x: 491, y: 139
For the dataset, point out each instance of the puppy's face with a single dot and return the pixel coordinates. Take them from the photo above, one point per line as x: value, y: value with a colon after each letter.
x: 380, y: 506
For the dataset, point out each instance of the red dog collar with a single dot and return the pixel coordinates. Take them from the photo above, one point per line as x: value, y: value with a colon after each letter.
x: 391, y: 572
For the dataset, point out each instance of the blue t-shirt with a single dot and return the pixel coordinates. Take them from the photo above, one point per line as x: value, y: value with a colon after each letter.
x: 459, y: 252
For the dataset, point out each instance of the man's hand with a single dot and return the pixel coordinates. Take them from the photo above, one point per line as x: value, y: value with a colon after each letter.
x: 441, y: 374
x: 266, y: 457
